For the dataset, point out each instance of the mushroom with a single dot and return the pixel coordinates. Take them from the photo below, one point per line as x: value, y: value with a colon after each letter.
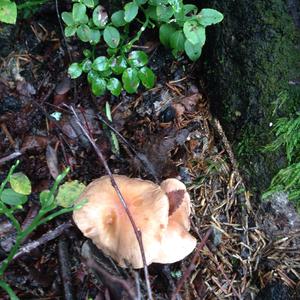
x: 104, y: 220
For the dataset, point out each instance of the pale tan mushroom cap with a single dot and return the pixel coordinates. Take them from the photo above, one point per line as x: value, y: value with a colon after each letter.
x: 104, y: 220
x: 177, y: 242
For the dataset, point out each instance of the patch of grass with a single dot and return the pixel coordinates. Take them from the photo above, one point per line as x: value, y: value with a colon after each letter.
x: 287, y: 132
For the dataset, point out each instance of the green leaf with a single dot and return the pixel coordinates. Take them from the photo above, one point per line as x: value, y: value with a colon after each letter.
x: 98, y: 86
x: 118, y: 65
x: 190, y: 8
x: 165, y: 33
x: 89, y: 3
x: 68, y: 18
x: 100, y: 17
x: 8, y: 12
x: 164, y: 13
x: 45, y: 198
x: 194, y: 32
x: 130, y: 80
x: 20, y: 183
x: 78, y: 12
x: 176, y: 5
x: 192, y: 51
x: 177, y: 40
x: 137, y: 58
x: 75, y: 70
x: 94, y: 36
x: 147, y: 77
x: 69, y: 192
x: 131, y: 11
x: 86, y: 65
x: 70, y: 31
x: 117, y: 18
x: 114, y: 86
x: 140, y: 2
x: 92, y: 75
x: 111, y: 36
x: 158, y: 2
x: 87, y: 53
x: 208, y: 16
x: 84, y: 33
x: 100, y: 64
x: 10, y: 197
x: 151, y: 12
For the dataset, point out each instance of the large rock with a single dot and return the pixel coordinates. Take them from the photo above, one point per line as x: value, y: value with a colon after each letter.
x: 250, y: 65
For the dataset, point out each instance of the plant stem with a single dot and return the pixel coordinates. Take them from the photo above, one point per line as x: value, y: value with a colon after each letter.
x: 139, y: 33
x: 8, y: 290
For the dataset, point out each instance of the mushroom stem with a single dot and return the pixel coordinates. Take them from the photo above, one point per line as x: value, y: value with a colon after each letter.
x: 137, y: 232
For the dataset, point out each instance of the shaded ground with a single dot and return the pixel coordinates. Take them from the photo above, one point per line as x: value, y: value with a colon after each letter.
x: 172, y: 128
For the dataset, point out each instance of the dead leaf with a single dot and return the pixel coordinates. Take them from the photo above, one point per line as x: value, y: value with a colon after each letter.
x: 52, y: 162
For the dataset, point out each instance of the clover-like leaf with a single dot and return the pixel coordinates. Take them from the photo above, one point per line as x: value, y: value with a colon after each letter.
x: 70, y: 31
x: 75, y: 70
x: 111, y: 36
x: 84, y: 33
x: 20, y: 183
x: 131, y: 11
x: 68, y: 18
x: 137, y: 58
x: 114, y: 86
x: 100, y: 64
x: 164, y: 13
x: 78, y: 12
x: 117, y: 18
x: 69, y: 192
x: 194, y: 32
x: 98, y: 86
x: 130, y: 80
x: 118, y: 65
x: 10, y: 197
x: 89, y: 3
x: 100, y: 17
x: 86, y: 65
x: 147, y: 77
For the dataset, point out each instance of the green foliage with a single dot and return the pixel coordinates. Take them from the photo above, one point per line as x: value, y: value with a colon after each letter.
x: 8, y: 11
x: 181, y: 28
x: 287, y: 131
x: 14, y: 196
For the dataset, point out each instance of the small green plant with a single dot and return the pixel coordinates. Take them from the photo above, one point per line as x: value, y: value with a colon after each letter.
x: 181, y: 28
x: 287, y: 131
x: 8, y: 11
x: 12, y: 199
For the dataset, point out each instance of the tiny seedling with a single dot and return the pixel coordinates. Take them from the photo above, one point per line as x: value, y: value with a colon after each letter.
x: 14, y: 192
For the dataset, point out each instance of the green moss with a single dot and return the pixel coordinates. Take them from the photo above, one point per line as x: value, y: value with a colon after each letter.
x: 248, y: 68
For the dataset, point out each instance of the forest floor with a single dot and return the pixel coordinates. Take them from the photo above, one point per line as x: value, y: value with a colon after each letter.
x: 242, y: 246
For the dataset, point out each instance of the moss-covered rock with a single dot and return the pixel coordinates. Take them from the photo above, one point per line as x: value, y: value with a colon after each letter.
x: 250, y: 64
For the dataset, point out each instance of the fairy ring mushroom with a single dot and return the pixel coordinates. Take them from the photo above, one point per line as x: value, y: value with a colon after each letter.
x: 160, y: 212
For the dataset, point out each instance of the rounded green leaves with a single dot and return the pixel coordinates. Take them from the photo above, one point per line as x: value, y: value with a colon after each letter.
x: 100, y: 17
x: 137, y: 58
x: 20, y: 183
x: 208, y: 16
x: 131, y: 11
x: 75, y: 70
x: 111, y: 36
x: 147, y: 77
x: 114, y: 86
x: 130, y: 80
